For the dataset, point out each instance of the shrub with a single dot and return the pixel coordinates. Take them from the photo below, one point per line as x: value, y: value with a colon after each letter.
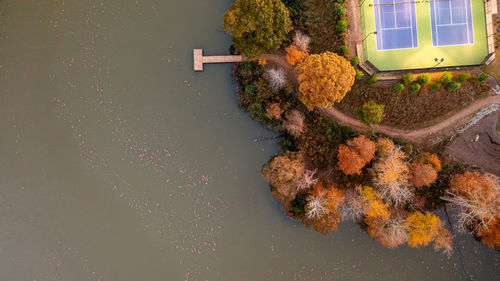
x: 373, y: 79
x: 371, y: 113
x: 462, y: 76
x: 481, y: 77
x: 250, y: 90
x: 359, y: 75
x: 453, y: 86
x: 446, y: 78
x: 298, y: 205
x: 257, y: 111
x: 424, y: 79
x: 415, y: 87
x: 435, y: 86
x: 398, y: 87
x: 342, y: 50
x: 354, y: 61
x: 340, y: 1
x: 407, y: 78
x: 339, y: 11
x: 341, y: 26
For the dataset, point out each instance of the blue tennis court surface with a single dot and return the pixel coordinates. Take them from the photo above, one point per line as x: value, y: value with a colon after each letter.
x: 451, y: 22
x: 396, y: 24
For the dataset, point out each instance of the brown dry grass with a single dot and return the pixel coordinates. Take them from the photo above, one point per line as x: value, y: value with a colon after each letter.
x: 407, y: 110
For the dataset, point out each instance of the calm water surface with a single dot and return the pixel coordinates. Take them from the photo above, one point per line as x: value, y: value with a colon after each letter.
x: 118, y: 162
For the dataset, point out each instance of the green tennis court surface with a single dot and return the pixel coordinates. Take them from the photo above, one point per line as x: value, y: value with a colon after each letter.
x: 409, y: 34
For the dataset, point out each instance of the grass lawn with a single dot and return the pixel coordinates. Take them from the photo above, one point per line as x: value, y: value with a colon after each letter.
x: 423, y: 56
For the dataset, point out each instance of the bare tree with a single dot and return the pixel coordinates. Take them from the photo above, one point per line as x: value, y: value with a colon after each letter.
x: 353, y: 206
x: 294, y: 123
x: 301, y: 41
x: 316, y: 207
x: 307, y: 180
x: 391, y: 178
x: 277, y: 78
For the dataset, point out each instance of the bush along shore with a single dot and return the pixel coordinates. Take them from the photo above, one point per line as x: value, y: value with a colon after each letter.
x: 326, y: 173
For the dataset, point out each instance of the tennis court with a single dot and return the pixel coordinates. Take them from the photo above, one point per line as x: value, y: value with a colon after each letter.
x: 395, y: 24
x: 451, y: 22
x: 416, y: 34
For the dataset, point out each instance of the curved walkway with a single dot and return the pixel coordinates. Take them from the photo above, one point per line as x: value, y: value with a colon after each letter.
x: 416, y: 135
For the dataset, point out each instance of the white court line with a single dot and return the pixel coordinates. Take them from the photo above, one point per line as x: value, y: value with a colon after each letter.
x: 408, y: 10
x: 436, y: 25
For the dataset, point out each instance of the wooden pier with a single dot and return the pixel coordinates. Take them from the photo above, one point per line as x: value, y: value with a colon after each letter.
x: 199, y: 59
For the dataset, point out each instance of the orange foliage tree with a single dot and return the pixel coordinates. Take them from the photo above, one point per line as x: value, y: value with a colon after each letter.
x: 324, y: 79
x: 356, y: 154
x: 475, y: 195
x: 424, y: 170
x: 282, y: 173
x: 391, y: 232
x: 294, y: 55
x: 274, y: 111
x: 322, y: 208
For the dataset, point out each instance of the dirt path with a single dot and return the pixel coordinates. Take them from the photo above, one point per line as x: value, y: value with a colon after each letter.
x: 417, y: 135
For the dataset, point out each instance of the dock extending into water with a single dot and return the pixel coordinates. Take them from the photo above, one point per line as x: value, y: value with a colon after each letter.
x: 199, y: 59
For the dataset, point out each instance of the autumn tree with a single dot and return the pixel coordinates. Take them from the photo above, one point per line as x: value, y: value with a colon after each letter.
x: 294, y: 55
x: 352, y: 209
x: 384, y: 147
x: 307, y: 180
x: 426, y: 228
x: 424, y: 170
x: 274, y: 111
x: 277, y: 78
x: 282, y: 173
x: 302, y: 41
x: 356, y: 154
x: 324, y: 79
x: 294, y: 123
x: 322, y: 208
x: 476, y: 196
x: 391, y: 177
x: 257, y: 26
x: 374, y: 206
x: 391, y: 232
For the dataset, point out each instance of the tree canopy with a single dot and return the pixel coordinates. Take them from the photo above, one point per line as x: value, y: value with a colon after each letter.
x: 324, y: 79
x: 257, y: 26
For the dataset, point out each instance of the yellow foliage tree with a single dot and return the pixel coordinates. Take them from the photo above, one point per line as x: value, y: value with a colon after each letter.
x: 294, y: 55
x: 423, y: 229
x: 373, y: 205
x: 324, y: 79
x: 391, y: 177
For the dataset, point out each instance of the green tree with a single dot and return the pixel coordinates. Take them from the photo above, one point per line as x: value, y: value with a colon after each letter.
x: 257, y: 26
x: 371, y: 113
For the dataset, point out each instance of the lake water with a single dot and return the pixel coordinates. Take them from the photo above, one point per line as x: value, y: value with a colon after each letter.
x: 118, y: 162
